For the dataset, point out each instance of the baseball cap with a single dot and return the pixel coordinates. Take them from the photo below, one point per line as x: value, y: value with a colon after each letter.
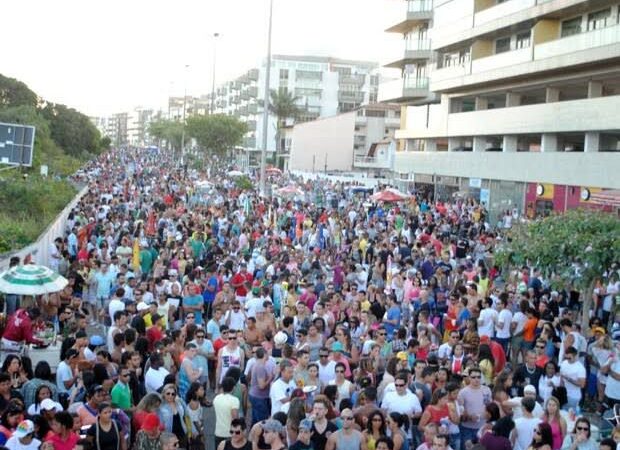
x: 402, y: 356
x: 151, y: 422
x: 337, y: 347
x: 599, y: 330
x: 24, y: 428
x: 305, y: 424
x: 529, y: 389
x: 142, y: 306
x: 48, y: 404
x: 97, y: 340
x: 271, y: 425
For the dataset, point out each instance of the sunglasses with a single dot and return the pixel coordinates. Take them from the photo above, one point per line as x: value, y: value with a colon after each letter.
x: 347, y: 417
x: 475, y: 377
x: 323, y: 356
x: 400, y: 385
x: 125, y: 375
x: 540, y: 346
x: 171, y: 393
x: 382, y: 334
x: 235, y: 431
x: 234, y: 338
x: 189, y: 317
x: 339, y: 371
x: 582, y: 428
x: 200, y: 336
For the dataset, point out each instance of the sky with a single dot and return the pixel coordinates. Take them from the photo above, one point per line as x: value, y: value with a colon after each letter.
x: 103, y: 57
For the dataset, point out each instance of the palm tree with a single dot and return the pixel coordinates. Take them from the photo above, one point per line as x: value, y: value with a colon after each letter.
x: 284, y: 105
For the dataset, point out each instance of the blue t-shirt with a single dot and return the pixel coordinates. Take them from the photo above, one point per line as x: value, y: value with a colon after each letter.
x: 194, y: 300
x: 392, y: 314
x: 207, y: 295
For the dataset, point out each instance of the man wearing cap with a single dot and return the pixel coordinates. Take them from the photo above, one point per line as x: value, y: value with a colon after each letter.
x: 274, y: 434
x: 241, y: 281
x: 23, y: 437
x: 304, y: 434
x: 515, y: 403
x: 147, y: 438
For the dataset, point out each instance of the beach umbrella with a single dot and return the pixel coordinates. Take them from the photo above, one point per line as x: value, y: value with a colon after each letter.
x: 31, y: 279
x: 290, y: 190
x: 389, y: 195
x: 273, y: 171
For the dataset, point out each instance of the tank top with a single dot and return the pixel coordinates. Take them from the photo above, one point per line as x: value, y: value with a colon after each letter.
x: 228, y: 446
x: 352, y: 442
x: 229, y: 359
x: 313, y: 349
x: 556, y: 433
x: 438, y: 413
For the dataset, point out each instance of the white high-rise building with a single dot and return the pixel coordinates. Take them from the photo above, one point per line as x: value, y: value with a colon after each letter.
x: 324, y: 87
x: 529, y: 93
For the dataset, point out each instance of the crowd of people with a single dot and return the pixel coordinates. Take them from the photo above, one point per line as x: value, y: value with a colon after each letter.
x: 313, y: 321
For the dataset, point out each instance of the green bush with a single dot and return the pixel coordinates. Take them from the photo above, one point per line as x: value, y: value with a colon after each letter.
x: 28, y: 206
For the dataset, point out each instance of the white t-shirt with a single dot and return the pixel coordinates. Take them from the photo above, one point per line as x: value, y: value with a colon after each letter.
x: 63, y: 373
x: 154, y: 379
x: 505, y: 317
x: 519, y: 319
x: 280, y: 389
x: 252, y: 304
x: 327, y: 373
x: 407, y: 404
x: 116, y: 304
x: 444, y: 351
x: 223, y: 405
x: 237, y: 320
x: 524, y: 429
x: 486, y: 322
x: 574, y: 371
x: 14, y: 444
x: 612, y: 388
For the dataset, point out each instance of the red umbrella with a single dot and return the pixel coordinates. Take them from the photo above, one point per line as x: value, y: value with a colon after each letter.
x: 273, y: 171
x: 389, y: 195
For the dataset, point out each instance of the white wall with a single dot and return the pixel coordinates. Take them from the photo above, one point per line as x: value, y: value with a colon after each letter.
x: 331, y: 137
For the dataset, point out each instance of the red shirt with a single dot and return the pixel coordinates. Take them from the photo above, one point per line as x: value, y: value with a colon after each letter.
x: 59, y: 444
x: 239, y: 282
x: 154, y: 334
x: 498, y: 355
x: 19, y: 328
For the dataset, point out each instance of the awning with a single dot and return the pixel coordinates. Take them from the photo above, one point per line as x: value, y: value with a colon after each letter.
x: 609, y: 197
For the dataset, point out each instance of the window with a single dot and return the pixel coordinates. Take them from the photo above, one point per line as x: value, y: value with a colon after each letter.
x: 571, y: 27
x: 502, y: 45
x: 523, y: 39
x: 283, y: 74
x: 599, y: 19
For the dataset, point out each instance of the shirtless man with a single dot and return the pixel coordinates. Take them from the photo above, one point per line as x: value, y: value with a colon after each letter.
x: 224, y: 298
x: 265, y: 322
x: 253, y: 336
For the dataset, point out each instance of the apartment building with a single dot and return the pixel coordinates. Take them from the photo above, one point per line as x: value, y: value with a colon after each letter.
x: 352, y: 141
x: 324, y: 86
x: 529, y: 92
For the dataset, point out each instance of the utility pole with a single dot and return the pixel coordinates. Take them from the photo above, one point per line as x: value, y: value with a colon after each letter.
x: 184, y: 105
x: 215, y: 36
x: 263, y: 153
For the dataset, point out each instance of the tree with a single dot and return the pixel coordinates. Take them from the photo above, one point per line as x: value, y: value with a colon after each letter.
x: 72, y: 130
x: 216, y: 133
x: 578, y: 246
x: 167, y: 130
x: 16, y: 93
x: 284, y: 105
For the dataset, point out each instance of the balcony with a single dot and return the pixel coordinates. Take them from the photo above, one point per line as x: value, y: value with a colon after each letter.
x: 581, y: 49
x: 253, y: 74
x: 501, y: 10
x: 409, y: 14
x: 569, y: 168
x: 404, y: 91
x: 245, y: 95
x: 355, y: 97
x: 253, y: 91
x: 578, y: 42
x: 415, y: 51
x: 251, y: 125
x: 372, y: 162
x: 357, y: 79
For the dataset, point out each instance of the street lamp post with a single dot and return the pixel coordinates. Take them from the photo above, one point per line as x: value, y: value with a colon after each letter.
x: 184, y: 105
x: 215, y: 36
x: 263, y: 153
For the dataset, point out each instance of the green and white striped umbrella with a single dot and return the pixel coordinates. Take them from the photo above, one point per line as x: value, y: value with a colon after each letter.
x: 31, y: 280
